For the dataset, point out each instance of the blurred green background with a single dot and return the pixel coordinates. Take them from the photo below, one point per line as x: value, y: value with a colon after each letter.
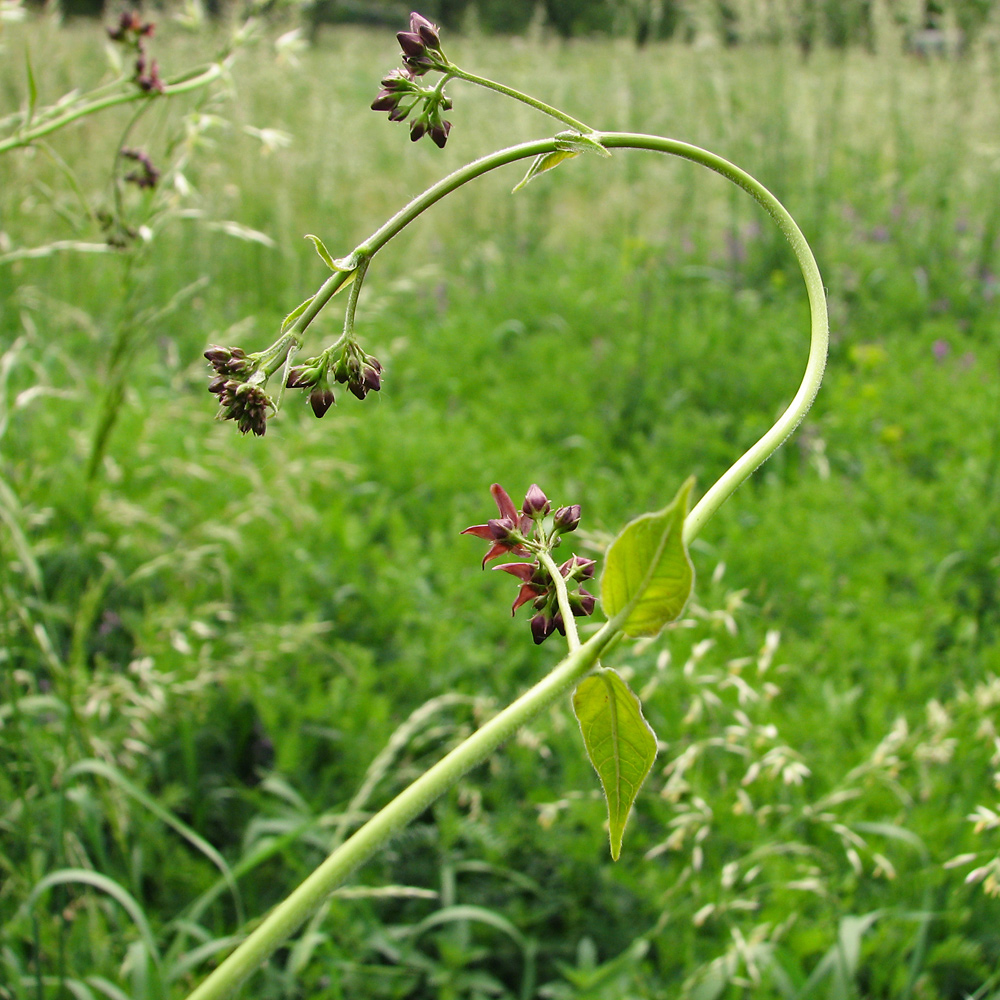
x: 206, y: 644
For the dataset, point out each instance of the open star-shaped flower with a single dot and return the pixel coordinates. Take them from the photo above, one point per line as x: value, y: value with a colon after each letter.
x: 507, y: 532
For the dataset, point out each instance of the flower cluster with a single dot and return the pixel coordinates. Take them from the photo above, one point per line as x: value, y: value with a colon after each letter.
x: 239, y: 400
x: 147, y: 175
x: 132, y: 31
x: 529, y: 532
x: 360, y: 372
x: 401, y: 92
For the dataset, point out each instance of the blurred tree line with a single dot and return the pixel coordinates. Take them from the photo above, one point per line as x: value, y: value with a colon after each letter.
x: 926, y: 26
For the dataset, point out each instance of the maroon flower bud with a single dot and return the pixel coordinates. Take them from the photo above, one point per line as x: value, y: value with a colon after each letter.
x: 321, y: 399
x: 428, y: 32
x: 536, y: 503
x: 501, y: 528
x: 417, y: 130
x: 218, y: 384
x: 418, y: 65
x: 398, y: 81
x: 217, y: 355
x: 372, y: 379
x: 439, y: 134
x: 577, y: 568
x: 411, y: 43
x: 542, y: 626
x: 582, y: 603
x: 558, y: 623
x: 567, y: 518
x: 385, y: 100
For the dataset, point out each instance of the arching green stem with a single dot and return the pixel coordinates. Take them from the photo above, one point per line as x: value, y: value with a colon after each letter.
x: 741, y: 469
x: 129, y: 96
x: 293, y: 911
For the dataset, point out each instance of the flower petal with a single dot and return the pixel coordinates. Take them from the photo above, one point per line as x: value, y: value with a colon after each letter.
x: 480, y: 531
x: 523, y: 571
x: 504, y: 502
x: 525, y: 594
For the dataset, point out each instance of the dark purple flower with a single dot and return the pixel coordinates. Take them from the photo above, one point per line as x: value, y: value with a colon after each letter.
x: 505, y: 533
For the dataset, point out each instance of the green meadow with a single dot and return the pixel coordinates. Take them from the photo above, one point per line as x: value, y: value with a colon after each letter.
x: 219, y: 654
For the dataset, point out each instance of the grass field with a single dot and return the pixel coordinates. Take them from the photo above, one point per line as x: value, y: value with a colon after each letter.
x: 207, y: 644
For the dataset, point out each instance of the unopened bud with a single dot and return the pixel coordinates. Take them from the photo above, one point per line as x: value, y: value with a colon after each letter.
x: 582, y: 603
x: 577, y: 568
x: 536, y: 503
x: 439, y: 134
x: 218, y: 355
x: 385, y: 100
x: 321, y: 399
x: 567, y: 518
x: 428, y: 32
x: 411, y: 43
x: 501, y: 528
x: 542, y: 626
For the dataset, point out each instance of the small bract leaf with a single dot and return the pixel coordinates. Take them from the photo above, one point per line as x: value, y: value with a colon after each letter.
x: 619, y: 741
x: 295, y: 313
x: 32, y: 88
x: 648, y: 574
x: 324, y: 253
x: 581, y: 143
x: 543, y: 162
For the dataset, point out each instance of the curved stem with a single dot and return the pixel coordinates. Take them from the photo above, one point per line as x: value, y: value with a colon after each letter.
x: 128, y: 97
x: 293, y: 911
x: 562, y: 596
x: 501, y: 88
x: 819, y: 332
x: 289, y: 914
x: 769, y: 442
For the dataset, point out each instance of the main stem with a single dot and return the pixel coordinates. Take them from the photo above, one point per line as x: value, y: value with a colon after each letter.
x: 288, y: 915
x: 294, y: 910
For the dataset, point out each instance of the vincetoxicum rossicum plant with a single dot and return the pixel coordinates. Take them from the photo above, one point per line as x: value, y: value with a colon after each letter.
x: 647, y: 576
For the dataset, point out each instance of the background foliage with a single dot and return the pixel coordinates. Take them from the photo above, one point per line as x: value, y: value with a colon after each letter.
x: 218, y: 653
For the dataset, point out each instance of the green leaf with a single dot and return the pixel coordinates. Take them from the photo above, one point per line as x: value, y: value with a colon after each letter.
x: 32, y: 88
x: 648, y: 574
x: 619, y: 741
x: 543, y: 162
x: 326, y: 255
x: 296, y: 313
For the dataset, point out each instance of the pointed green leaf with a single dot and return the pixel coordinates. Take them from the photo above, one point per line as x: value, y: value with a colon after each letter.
x: 648, y: 574
x: 620, y: 743
x: 32, y: 88
x: 296, y: 313
x: 543, y: 162
x: 326, y: 255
